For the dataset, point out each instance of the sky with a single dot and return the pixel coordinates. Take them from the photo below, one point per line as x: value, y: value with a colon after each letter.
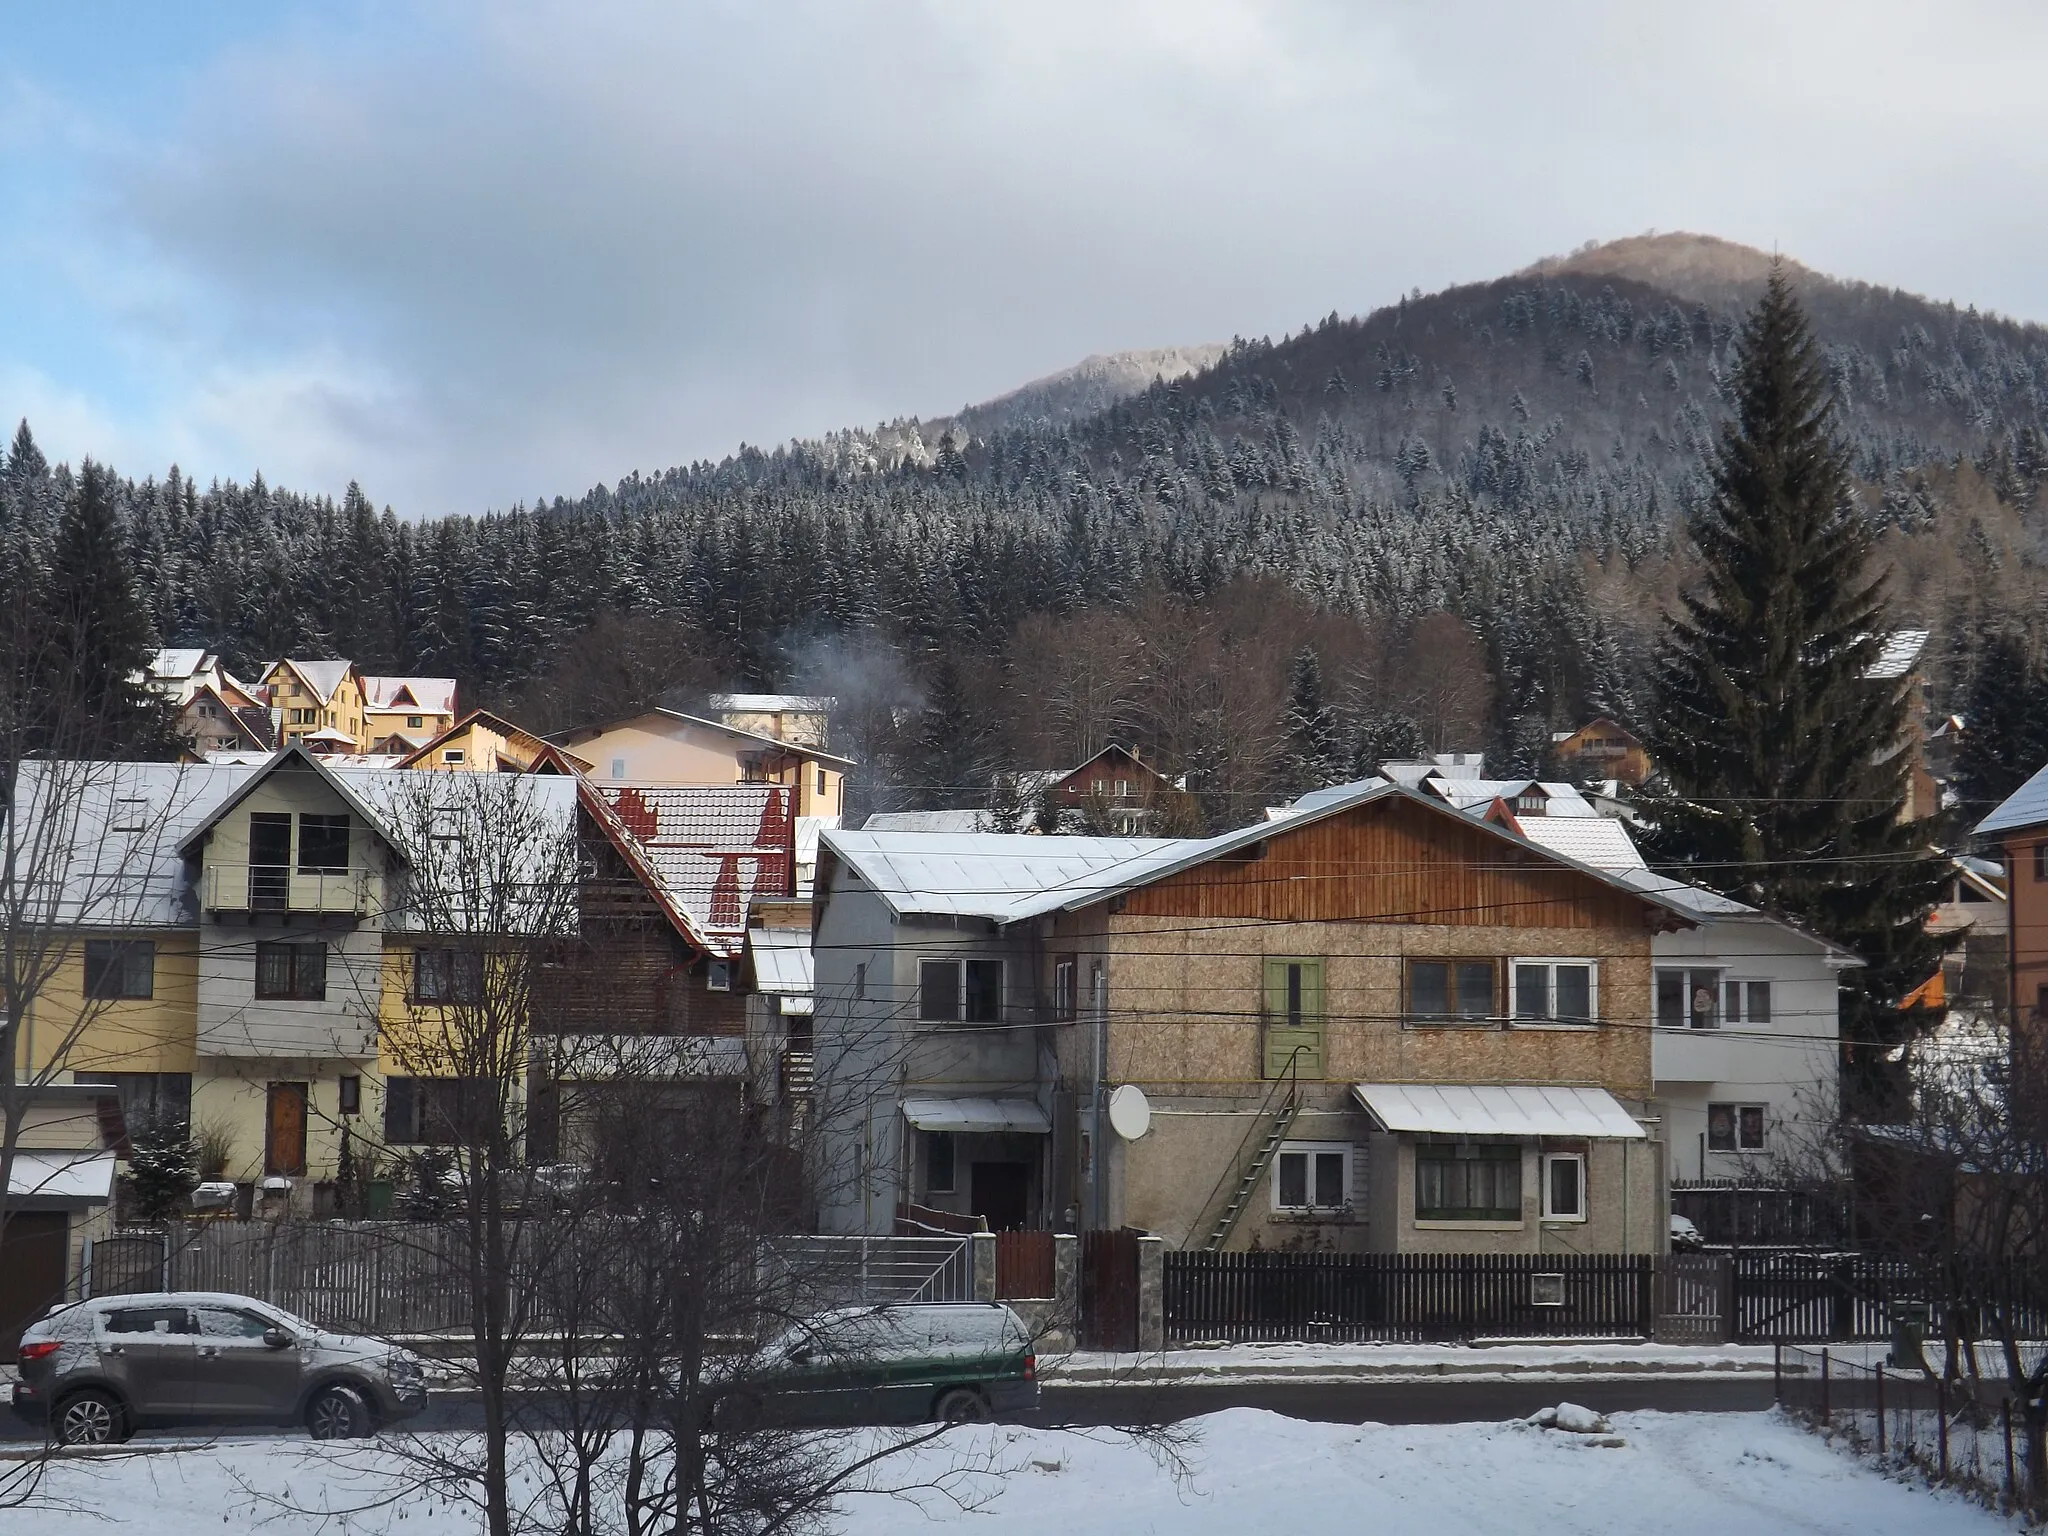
x: 472, y: 254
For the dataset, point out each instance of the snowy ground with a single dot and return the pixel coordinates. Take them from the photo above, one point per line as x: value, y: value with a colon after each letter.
x: 1245, y: 1473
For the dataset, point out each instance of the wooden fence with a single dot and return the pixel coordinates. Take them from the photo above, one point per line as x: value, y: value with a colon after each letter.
x: 1389, y: 1297
x: 1024, y: 1265
x: 1732, y: 1215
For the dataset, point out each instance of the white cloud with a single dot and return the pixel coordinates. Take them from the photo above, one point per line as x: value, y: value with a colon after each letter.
x: 519, y: 249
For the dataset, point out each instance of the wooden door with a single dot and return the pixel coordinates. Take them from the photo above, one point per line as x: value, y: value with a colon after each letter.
x: 1109, y: 1290
x: 33, y: 1253
x: 284, y: 1130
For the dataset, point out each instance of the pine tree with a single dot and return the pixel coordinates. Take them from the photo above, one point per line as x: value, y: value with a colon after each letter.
x: 1783, y: 782
x: 2005, y: 719
x: 1315, y: 751
x: 163, y: 1168
x: 99, y: 634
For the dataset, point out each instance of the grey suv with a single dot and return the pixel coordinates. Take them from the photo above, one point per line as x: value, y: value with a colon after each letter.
x: 96, y: 1371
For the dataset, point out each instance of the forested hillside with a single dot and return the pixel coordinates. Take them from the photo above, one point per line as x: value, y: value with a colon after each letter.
x: 1453, y: 522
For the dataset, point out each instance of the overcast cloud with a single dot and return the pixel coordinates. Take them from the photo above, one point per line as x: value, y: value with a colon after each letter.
x: 480, y: 253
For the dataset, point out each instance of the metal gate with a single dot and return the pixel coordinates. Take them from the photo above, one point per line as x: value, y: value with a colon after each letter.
x: 1109, y: 1290
x: 126, y: 1263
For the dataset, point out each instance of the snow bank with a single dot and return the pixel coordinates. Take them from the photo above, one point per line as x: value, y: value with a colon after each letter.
x: 1245, y: 1473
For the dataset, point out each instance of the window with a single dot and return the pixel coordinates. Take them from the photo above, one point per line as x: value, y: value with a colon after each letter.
x: 130, y: 815
x: 150, y: 1320
x: 2041, y: 861
x: 1312, y: 1176
x: 117, y: 968
x: 718, y: 976
x: 292, y: 972
x: 1123, y: 789
x: 618, y: 767
x: 1451, y: 989
x: 415, y: 722
x: 447, y: 976
x: 1735, y: 1127
x: 821, y: 781
x: 432, y: 1111
x: 939, y: 1163
x: 860, y: 981
x: 1472, y: 1182
x: 1063, y: 998
x: 1294, y: 1017
x: 1746, y: 1002
x: 349, y: 1094
x: 146, y: 1098
x: 1689, y: 999
x: 231, y: 1323
x: 1564, y: 1186
x: 323, y: 845
x: 452, y: 755
x: 305, y: 717
x: 1557, y: 991
x: 960, y: 991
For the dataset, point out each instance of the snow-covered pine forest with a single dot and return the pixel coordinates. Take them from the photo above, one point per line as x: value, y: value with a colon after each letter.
x: 1457, y: 519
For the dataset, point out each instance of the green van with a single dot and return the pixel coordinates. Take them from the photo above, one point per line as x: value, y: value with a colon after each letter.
x: 920, y: 1362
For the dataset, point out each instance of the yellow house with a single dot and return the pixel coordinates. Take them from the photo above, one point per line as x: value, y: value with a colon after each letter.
x: 666, y: 746
x: 402, y: 713
x: 318, y: 699
x: 481, y: 742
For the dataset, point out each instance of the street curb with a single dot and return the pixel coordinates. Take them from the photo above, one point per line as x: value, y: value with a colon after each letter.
x: 1057, y: 1374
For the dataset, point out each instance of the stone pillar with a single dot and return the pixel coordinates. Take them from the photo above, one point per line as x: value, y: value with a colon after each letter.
x: 1063, y: 1328
x: 1151, y: 1294
x: 984, y: 1256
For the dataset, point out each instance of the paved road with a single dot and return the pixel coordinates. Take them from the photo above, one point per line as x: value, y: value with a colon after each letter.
x: 1362, y: 1402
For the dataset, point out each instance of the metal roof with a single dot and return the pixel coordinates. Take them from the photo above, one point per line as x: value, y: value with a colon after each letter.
x: 783, y: 965
x: 710, y: 849
x: 320, y: 677
x: 1519, y: 1109
x: 1467, y: 794
x: 1600, y: 841
x: 976, y: 1114
x: 927, y: 821
x: 431, y: 695
x: 1896, y: 655
x: 61, y: 1177
x: 995, y: 875
x: 2026, y: 806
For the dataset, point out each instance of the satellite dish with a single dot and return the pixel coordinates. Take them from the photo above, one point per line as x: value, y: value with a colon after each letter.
x: 1130, y: 1113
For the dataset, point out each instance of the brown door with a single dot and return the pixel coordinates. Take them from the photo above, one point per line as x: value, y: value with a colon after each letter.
x: 1109, y: 1289
x: 284, y: 1130
x: 1000, y: 1193
x: 33, y: 1249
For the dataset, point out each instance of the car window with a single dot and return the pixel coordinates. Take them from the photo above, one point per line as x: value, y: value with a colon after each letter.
x: 149, y: 1320
x: 227, y: 1323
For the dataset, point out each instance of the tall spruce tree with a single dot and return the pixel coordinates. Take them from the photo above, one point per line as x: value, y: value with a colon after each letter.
x: 2005, y: 715
x: 1784, y: 773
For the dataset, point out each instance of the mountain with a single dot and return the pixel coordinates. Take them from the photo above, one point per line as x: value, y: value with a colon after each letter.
x: 1485, y: 486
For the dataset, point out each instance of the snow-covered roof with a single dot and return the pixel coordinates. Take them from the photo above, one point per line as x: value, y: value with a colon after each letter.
x: 176, y: 665
x: 927, y: 821
x: 61, y: 1177
x: 772, y: 703
x: 1600, y: 841
x: 1895, y: 658
x: 782, y: 961
x: 659, y: 720
x: 1467, y: 794
x: 709, y: 849
x: 933, y: 1113
x: 1521, y: 1109
x: 429, y: 695
x: 995, y: 875
x: 2026, y: 806
x: 320, y: 677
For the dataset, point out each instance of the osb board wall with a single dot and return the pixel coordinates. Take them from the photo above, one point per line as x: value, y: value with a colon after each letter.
x: 1392, y: 861
x: 1184, y: 1005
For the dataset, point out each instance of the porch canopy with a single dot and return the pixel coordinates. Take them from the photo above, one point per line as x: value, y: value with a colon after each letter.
x: 1008, y: 1114
x: 1519, y: 1109
x: 58, y: 1180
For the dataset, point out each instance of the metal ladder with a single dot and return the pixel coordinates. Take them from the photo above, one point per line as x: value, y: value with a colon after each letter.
x: 1278, y: 1121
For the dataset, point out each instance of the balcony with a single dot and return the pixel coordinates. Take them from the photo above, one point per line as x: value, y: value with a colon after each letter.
x: 284, y: 891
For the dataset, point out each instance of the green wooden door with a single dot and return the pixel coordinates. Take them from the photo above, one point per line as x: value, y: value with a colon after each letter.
x: 1293, y: 1016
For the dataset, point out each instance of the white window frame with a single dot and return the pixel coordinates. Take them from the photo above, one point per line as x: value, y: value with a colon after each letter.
x: 1735, y: 1109
x: 718, y: 976
x: 1311, y: 1150
x: 1742, y: 1020
x: 1691, y: 970
x: 960, y: 992
x: 1550, y: 1020
x: 1551, y: 1160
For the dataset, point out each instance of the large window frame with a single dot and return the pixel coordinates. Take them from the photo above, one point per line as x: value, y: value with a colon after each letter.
x: 961, y: 989
x: 120, y: 970
x: 293, y: 972
x: 321, y: 837
x: 1450, y: 990
x: 1738, y: 1128
x: 1469, y: 1182
x: 1564, y: 1186
x: 1679, y: 990
x: 446, y: 977
x: 1565, y: 1003
x: 1305, y: 1172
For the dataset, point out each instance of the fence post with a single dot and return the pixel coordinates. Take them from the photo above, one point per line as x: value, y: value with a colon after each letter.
x: 2005, y: 1418
x: 1941, y: 1421
x: 984, y: 1265
x: 1646, y: 1296
x: 1778, y: 1372
x: 1880, y: 1407
x: 1151, y: 1294
x: 1824, y: 1394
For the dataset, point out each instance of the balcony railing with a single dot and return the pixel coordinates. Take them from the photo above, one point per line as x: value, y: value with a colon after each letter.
x: 281, y: 888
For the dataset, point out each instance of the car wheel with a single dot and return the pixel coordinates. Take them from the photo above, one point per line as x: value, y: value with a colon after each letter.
x: 91, y: 1418
x: 338, y: 1413
x: 962, y: 1405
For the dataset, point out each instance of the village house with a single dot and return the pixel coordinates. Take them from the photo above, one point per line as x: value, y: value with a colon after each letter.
x: 59, y: 1193
x: 1601, y: 749
x: 666, y: 746
x: 481, y: 742
x: 1375, y: 1024
x: 2018, y: 829
x: 243, y: 953
x: 401, y: 714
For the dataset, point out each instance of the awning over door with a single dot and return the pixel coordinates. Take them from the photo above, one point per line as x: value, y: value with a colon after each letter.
x: 1008, y: 1114
x: 1520, y: 1109
x: 41, y: 1180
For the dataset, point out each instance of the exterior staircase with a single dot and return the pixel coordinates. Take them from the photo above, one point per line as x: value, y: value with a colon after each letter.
x: 1276, y: 1119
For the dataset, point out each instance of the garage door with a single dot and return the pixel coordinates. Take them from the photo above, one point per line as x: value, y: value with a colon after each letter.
x: 32, y: 1252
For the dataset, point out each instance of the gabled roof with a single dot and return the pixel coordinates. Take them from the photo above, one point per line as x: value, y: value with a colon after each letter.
x: 1465, y: 794
x: 662, y: 716
x: 704, y: 851
x: 540, y: 746
x: 320, y: 677
x: 176, y: 665
x: 772, y: 703
x: 293, y: 754
x: 1600, y: 841
x: 428, y: 695
x: 2026, y: 806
